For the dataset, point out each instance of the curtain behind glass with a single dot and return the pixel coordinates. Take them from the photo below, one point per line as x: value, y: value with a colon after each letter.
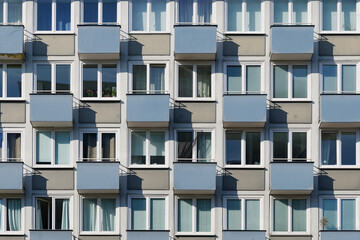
x: 348, y: 15
x: 38, y: 215
x: 157, y: 79
x: 348, y: 214
x: 329, y: 15
x: 43, y: 77
x: 349, y: 78
x: 299, y: 215
x: 281, y: 14
x: 108, y: 214
x: 62, y: 148
x: 63, y: 15
x: 43, y: 147
x: 14, y: 214
x: 185, y: 11
x: 43, y: 213
x: 139, y: 15
x: 299, y: 145
x: 280, y: 146
x: 204, y: 11
x: 233, y: 148
x: 89, y: 146
x: 14, y: 11
x: 253, y: 79
x: 185, y: 145
x: 185, y: 81
x: 252, y: 148
x: 234, y: 79
x: 90, y: 11
x: 138, y: 214
x: 299, y: 81
x: 348, y: 148
x: 90, y: 81
x: 157, y: 148
x: 44, y: 15
x: 328, y: 148
x: 234, y: 16
x: 89, y: 214
x: 253, y: 15
x: 158, y: 15
x: 138, y: 147
x: 233, y: 214
x: 204, y: 146
x: 108, y: 147
x: 14, y: 81
x: 300, y: 11
x: 330, y: 213
x: 109, y: 11
x: 184, y: 215
x: 157, y: 214
x: 252, y: 215
x: 139, y: 78
x: 204, y: 81
x: 203, y: 215
x: 281, y: 215
x: 14, y: 147
x: 109, y: 80
x: 63, y: 77
x: 280, y: 81
x: 330, y: 78
x: 62, y: 211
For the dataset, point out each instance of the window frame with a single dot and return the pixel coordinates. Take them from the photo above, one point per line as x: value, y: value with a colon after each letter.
x: 290, y: 131
x: 4, y: 73
x: 148, y: 198
x: 99, y: 216
x: 4, y: 131
x: 3, y: 216
x: 193, y: 212
x: 53, y: 19
x: 195, y: 14
x: 148, y: 66
x: 290, y: 14
x: 99, y: 81
x: 6, y: 14
x: 290, y: 231
x: 290, y: 82
x: 194, y: 95
x: 100, y: 14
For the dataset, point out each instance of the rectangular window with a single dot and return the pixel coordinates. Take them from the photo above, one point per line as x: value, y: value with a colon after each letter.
x: 11, y: 81
x: 237, y: 84
x: 339, y: 15
x: 242, y: 214
x: 10, y: 215
x: 99, y: 78
x: 291, y: 11
x: 148, y: 148
x: 149, y: 78
x: 339, y: 78
x: 333, y: 143
x: 290, y: 82
x: 99, y: 146
x: 198, y: 210
x: 290, y: 145
x: 289, y: 215
x: 149, y: 15
x: 100, y: 12
x: 195, y: 11
x: 10, y: 146
x: 194, y: 146
x: 53, y: 15
x: 195, y: 81
x: 52, y: 78
x: 52, y: 213
x: 11, y: 11
x: 243, y: 148
x: 148, y: 213
x: 251, y: 13
x: 340, y: 213
x: 99, y: 215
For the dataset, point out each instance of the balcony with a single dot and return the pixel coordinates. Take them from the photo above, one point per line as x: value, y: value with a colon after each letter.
x: 148, y: 110
x: 12, y: 42
x: 292, y: 42
x: 195, y: 42
x: 147, y: 235
x: 194, y: 177
x: 244, y: 110
x: 98, y: 177
x: 11, y: 177
x: 339, y: 110
x: 51, y: 234
x: 291, y: 177
x: 343, y: 235
x: 244, y: 235
x: 51, y: 110
x: 97, y: 42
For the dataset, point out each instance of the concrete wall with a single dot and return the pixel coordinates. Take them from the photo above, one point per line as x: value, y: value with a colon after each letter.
x: 9, y: 237
x: 149, y: 44
x: 244, y: 179
x: 281, y: 112
x: 148, y: 179
x: 244, y: 45
x: 53, y: 179
x: 99, y: 112
x: 12, y: 112
x: 196, y: 112
x: 339, y: 45
x: 54, y: 45
x: 337, y: 179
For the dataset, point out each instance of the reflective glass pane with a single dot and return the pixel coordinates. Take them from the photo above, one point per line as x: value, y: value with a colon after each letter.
x: 204, y: 81
x: 157, y: 214
x: 299, y: 145
x: 281, y: 215
x: 280, y: 81
x: 109, y: 11
x: 299, y: 215
x: 349, y: 78
x: 90, y: 88
x: 108, y: 147
x: 139, y: 15
x: 185, y: 81
x: 348, y: 148
x: 63, y: 77
x: 185, y: 11
x: 203, y: 215
x: 158, y: 15
x: 185, y: 215
x: 233, y: 214
x: 253, y: 79
x: 43, y: 74
x: 204, y: 146
x: 185, y: 145
x: 108, y: 206
x: 14, y: 81
x: 204, y: 11
x: 330, y: 213
x: 62, y: 148
x: 234, y: 79
x: 328, y: 148
x: 280, y: 146
x: 138, y: 147
x: 252, y: 214
x: 90, y: 11
x: 348, y: 15
x: 253, y: 15
x: 89, y: 146
x: 252, y: 148
x: 300, y: 11
x: 157, y: 148
x: 348, y: 214
x: 43, y: 147
x: 138, y: 214
x: 329, y: 78
x: 89, y: 214
x: 139, y: 78
x: 63, y: 15
x: 299, y: 81
x: 14, y: 146
x: 109, y: 80
x: 329, y: 15
x: 14, y: 11
x: 233, y: 147
x: 157, y: 78
x: 234, y: 15
x: 44, y: 15
x: 281, y: 14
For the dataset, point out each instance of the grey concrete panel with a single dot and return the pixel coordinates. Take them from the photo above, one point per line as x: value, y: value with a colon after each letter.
x: 244, y: 180
x: 195, y: 238
x: 337, y: 235
x: 99, y: 112
x: 51, y: 234
x: 11, y: 177
x: 340, y: 179
x: 53, y: 179
x: 339, y: 45
x: 290, y: 112
x: 244, y: 235
x: 289, y: 237
x: 148, y: 179
x: 244, y: 45
x: 9, y: 237
x: 11, y: 42
x: 149, y: 44
x: 147, y: 235
x: 12, y: 112
x: 99, y: 237
x: 201, y: 112
x: 54, y: 45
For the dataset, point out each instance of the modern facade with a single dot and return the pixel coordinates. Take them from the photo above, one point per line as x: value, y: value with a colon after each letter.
x: 186, y: 120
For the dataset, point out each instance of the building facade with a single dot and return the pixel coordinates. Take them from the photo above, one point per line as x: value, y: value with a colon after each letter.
x: 188, y: 120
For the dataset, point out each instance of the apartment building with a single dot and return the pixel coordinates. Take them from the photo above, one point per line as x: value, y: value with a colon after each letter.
x: 186, y: 120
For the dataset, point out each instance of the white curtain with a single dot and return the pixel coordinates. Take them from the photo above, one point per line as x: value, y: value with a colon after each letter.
x: 14, y: 214
x: 39, y: 222
x: 204, y: 11
x: 157, y: 78
x: 204, y: 146
x: 158, y: 15
x: 43, y: 147
x: 330, y: 15
x: 204, y: 81
x: 185, y: 215
x: 203, y: 215
x: 65, y: 214
x: 234, y: 214
x: 185, y: 11
x: 348, y: 15
x: 234, y: 16
x: 157, y: 214
x: 281, y: 11
x: 108, y: 214
x: 138, y: 214
x: 62, y: 148
x: 281, y: 215
x: 328, y: 148
x: 252, y: 214
x: 89, y: 214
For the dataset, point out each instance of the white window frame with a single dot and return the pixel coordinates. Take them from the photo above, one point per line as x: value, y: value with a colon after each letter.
x: 53, y: 198
x: 194, y: 208
x: 243, y: 148
x: 53, y: 76
x: 338, y: 148
x: 308, y: 217
x: 148, y: 65
x: 339, y: 65
x: 194, y: 148
x: 194, y: 95
x: 147, y: 149
x: 289, y: 145
x: 3, y: 217
x: 53, y: 19
x: 338, y: 199
x: 99, y: 133
x: 338, y: 16
x: 53, y: 144
x: 243, y: 198
x: 99, y: 81
x: 4, y: 132
x: 6, y: 13
x: 5, y: 80
x: 195, y: 14
x: 290, y: 82
x: 99, y: 217
x: 243, y: 66
x: 148, y: 198
x: 243, y: 17
x: 290, y: 13
x: 100, y: 13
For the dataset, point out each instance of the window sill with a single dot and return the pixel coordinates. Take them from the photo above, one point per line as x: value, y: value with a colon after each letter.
x: 98, y: 234
x: 147, y: 167
x: 130, y: 230
x: 194, y: 100
x: 12, y: 100
x: 195, y: 234
x: 20, y: 234
x: 150, y: 33
x: 340, y: 33
x: 301, y: 234
x: 291, y: 100
x: 54, y: 33
x: 100, y: 99
x: 245, y: 33
x: 337, y: 167
x: 244, y: 167
x: 51, y: 167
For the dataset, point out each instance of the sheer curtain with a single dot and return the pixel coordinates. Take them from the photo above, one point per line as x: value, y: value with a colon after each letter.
x: 139, y: 78
x: 184, y: 215
x: 252, y: 214
x: 348, y: 214
x: 281, y: 215
x: 204, y: 11
x: 299, y: 215
x: 330, y: 213
x: 157, y: 79
x: 39, y: 222
x: 204, y: 146
x: 157, y: 148
x: 139, y: 15
x: 253, y: 15
x: 14, y: 214
x: 234, y: 214
x: 65, y: 214
x: 185, y: 81
x: 330, y: 15
x: 108, y: 214
x: 329, y: 78
x: 62, y: 148
x: 158, y: 15
x: 203, y: 215
x: 108, y: 147
x: 253, y: 79
x: 234, y: 17
x: 14, y: 11
x: 348, y: 15
x: 157, y: 214
x: 185, y: 11
x: 281, y: 11
x: 204, y: 81
x: 299, y: 81
x: 328, y: 149
x: 234, y: 79
x: 89, y: 214
x: 138, y: 147
x: 138, y: 214
x: 300, y: 11
x: 349, y: 78
x: 281, y: 81
x: 43, y: 147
